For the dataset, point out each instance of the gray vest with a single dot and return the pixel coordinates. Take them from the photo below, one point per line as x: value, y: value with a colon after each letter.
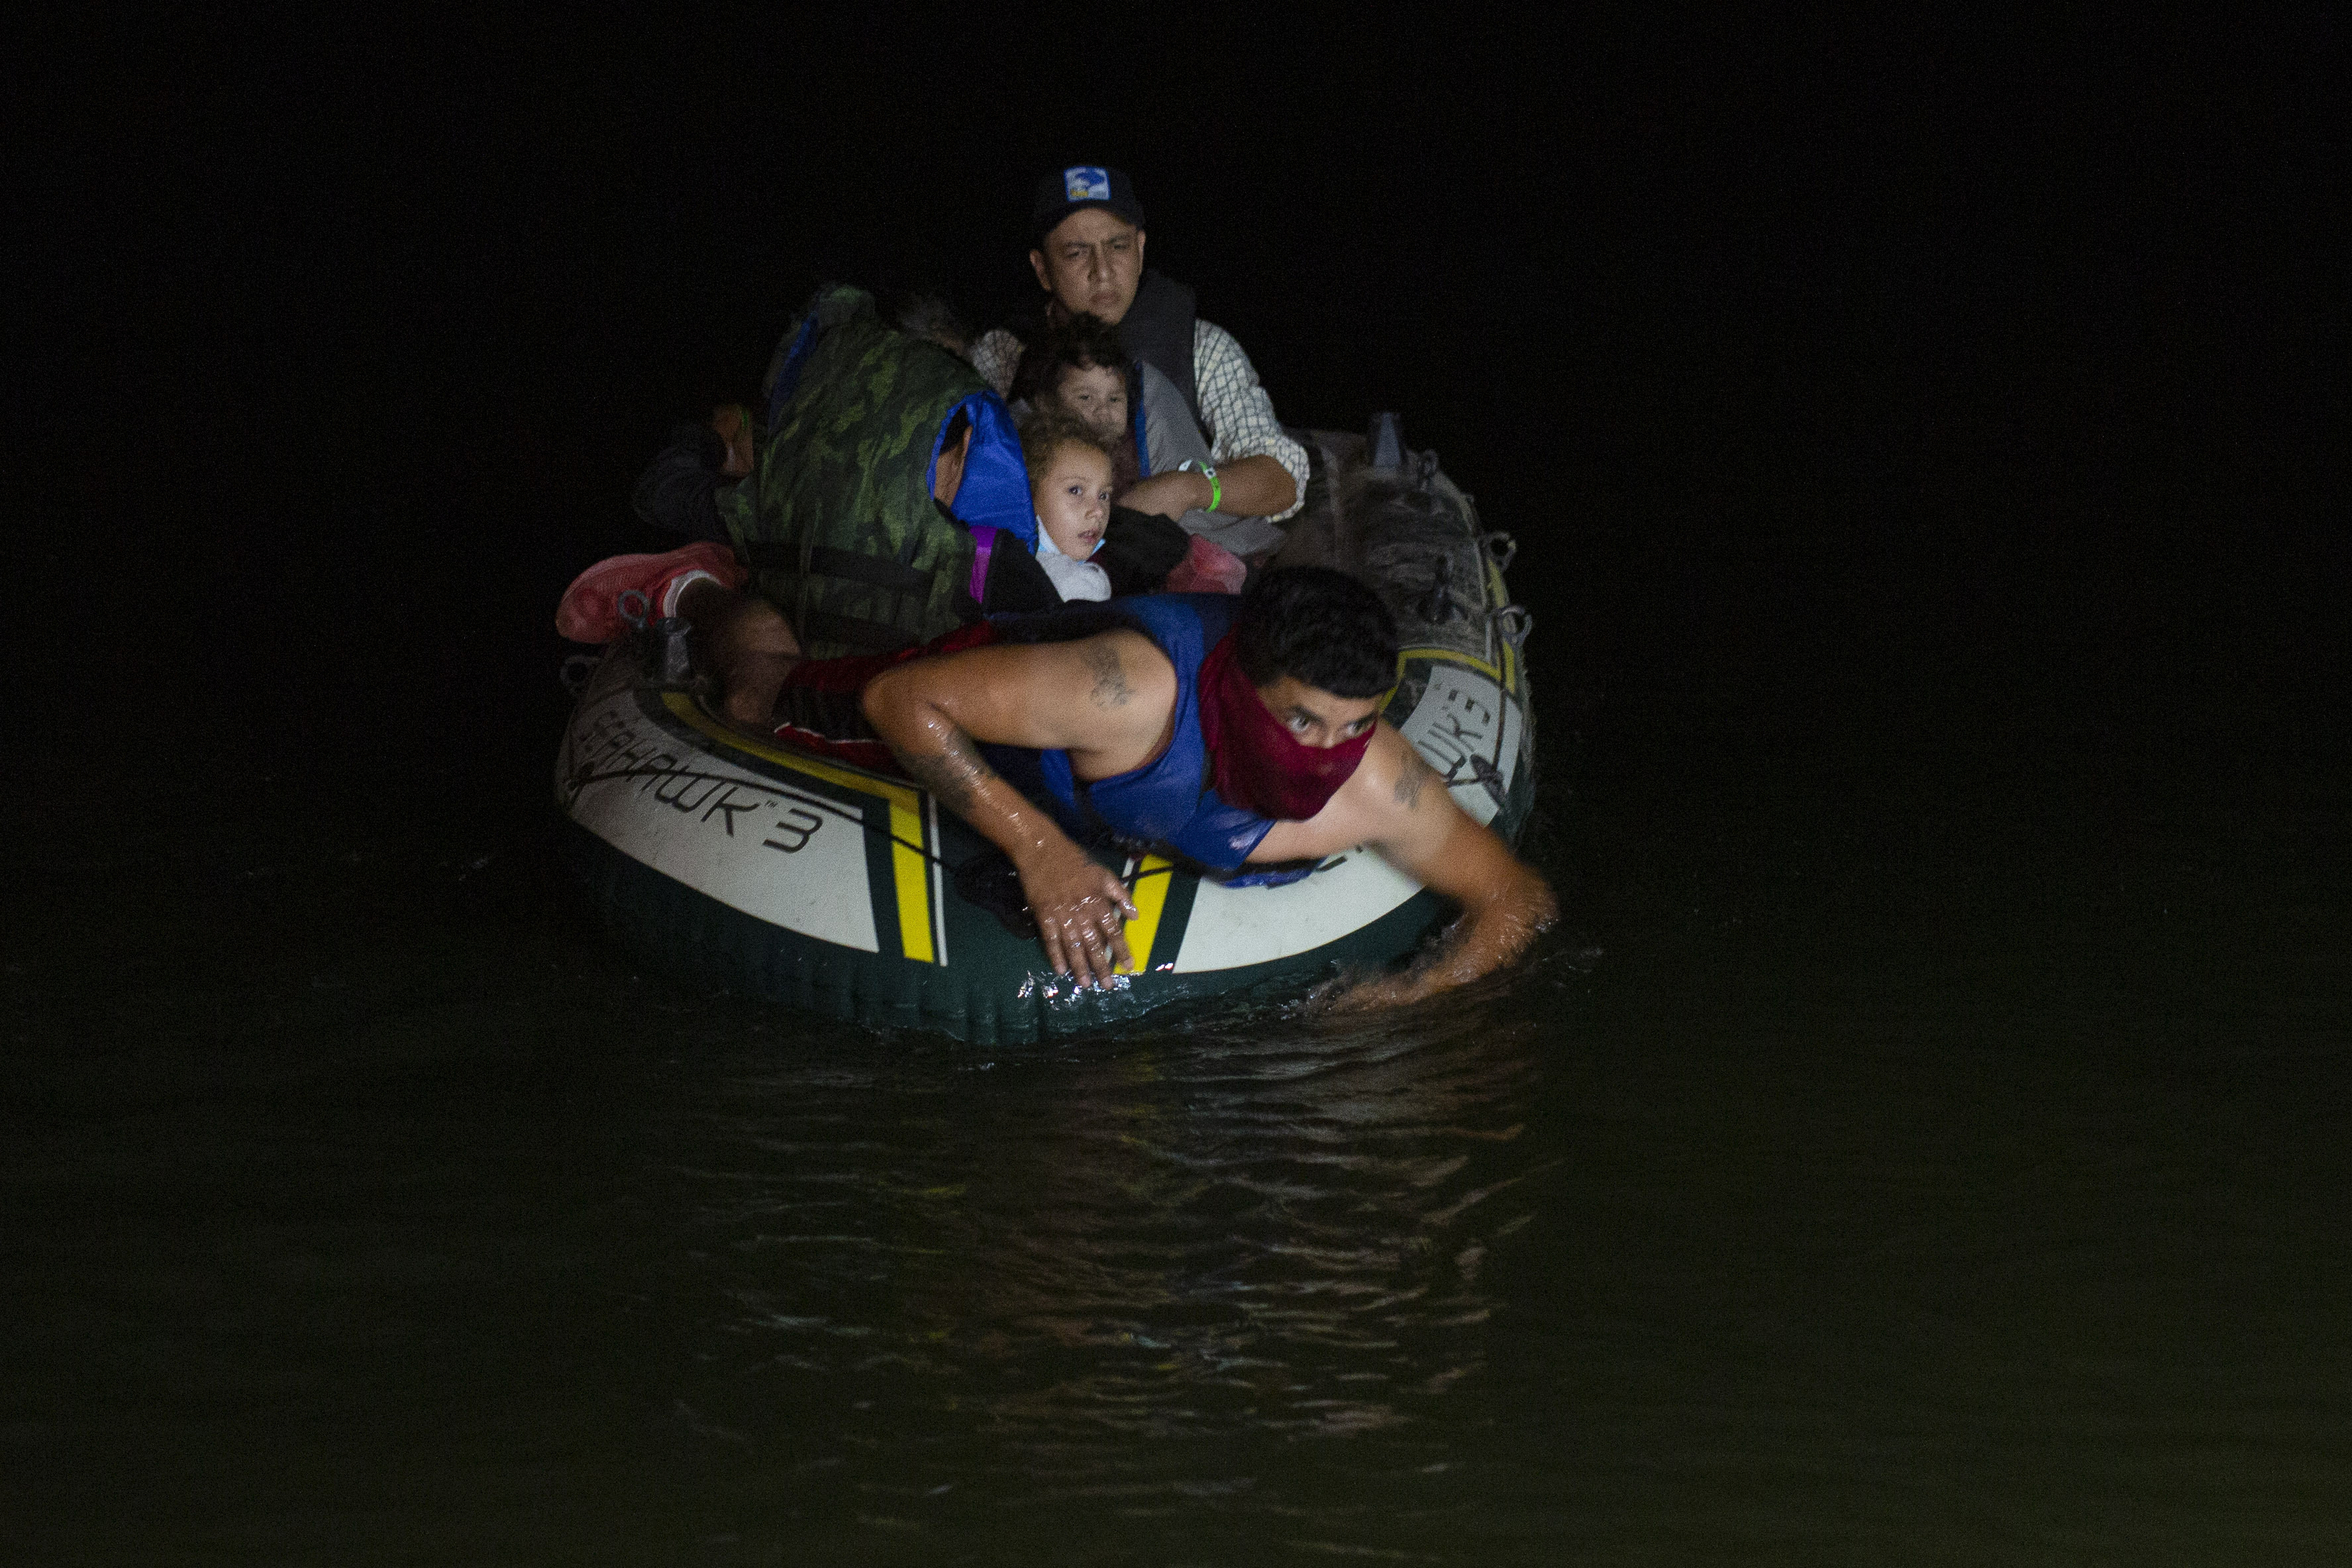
x: 1173, y: 438
x: 1158, y: 330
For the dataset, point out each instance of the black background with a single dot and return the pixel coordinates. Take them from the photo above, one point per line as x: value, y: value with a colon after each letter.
x: 1990, y: 356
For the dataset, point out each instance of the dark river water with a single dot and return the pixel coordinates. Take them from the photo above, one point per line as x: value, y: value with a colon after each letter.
x: 1923, y: 1142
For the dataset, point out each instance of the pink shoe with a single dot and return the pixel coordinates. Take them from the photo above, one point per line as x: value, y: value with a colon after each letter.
x: 1208, y: 567
x: 592, y: 611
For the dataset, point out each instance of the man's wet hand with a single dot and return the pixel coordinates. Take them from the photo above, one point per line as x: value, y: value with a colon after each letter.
x: 1081, y: 910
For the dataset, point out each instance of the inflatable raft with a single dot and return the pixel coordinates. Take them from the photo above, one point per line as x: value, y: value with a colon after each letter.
x: 723, y: 860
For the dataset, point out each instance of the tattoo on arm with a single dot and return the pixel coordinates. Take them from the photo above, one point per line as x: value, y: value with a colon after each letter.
x: 1111, y: 689
x: 1410, y: 778
x: 954, y: 775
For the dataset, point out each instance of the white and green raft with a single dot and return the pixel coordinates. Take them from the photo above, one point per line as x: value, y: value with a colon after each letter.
x: 773, y: 872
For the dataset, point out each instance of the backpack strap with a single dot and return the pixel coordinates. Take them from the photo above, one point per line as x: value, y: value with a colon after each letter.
x: 984, y: 541
x: 1138, y: 432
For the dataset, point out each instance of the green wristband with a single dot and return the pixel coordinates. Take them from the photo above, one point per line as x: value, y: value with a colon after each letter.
x: 1216, y: 490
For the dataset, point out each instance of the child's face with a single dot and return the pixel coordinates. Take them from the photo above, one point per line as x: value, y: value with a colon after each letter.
x: 1072, y: 499
x: 1099, y: 397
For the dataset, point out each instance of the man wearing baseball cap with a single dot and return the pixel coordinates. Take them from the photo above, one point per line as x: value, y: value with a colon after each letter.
x: 1088, y: 230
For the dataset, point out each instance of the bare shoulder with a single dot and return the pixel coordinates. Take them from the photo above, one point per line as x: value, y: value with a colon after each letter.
x: 1392, y: 793
x: 1118, y: 696
x: 1395, y: 803
x: 1390, y: 783
x: 1122, y: 669
x: 1111, y: 693
x: 1107, y: 673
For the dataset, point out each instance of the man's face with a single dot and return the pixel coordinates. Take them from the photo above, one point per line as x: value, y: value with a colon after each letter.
x: 1090, y: 263
x: 1313, y: 715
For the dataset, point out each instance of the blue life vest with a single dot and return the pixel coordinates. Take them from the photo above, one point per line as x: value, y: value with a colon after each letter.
x: 1168, y: 800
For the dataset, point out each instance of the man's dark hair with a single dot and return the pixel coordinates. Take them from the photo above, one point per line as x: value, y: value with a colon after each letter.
x: 1321, y: 626
x: 1083, y: 341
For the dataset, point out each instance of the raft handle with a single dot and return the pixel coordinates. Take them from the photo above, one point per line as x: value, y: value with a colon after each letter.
x: 1514, y: 623
x: 635, y: 615
x: 1501, y: 549
x: 576, y: 672
x: 672, y: 659
x: 1438, y: 605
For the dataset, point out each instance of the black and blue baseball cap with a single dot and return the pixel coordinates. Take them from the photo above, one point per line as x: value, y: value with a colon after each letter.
x: 1064, y: 190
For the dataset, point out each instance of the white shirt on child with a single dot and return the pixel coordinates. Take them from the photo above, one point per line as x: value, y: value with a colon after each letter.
x: 1072, y: 579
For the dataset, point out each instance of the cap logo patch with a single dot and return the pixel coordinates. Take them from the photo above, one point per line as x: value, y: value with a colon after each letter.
x: 1086, y: 183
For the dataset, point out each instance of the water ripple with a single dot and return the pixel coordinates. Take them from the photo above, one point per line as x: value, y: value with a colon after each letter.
x: 1204, y: 1231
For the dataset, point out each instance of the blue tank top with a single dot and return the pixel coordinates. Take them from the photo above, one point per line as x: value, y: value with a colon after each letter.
x: 1168, y: 800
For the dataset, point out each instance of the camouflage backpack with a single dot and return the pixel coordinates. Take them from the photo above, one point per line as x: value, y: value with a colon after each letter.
x: 836, y: 521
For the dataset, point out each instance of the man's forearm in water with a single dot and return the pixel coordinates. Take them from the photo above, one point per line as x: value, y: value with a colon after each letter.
x: 1080, y: 907
x: 938, y: 755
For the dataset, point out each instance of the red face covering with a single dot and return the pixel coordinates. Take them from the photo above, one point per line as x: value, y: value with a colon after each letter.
x: 1255, y: 761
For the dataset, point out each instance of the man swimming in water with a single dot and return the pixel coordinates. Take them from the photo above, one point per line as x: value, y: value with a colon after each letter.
x: 1237, y: 733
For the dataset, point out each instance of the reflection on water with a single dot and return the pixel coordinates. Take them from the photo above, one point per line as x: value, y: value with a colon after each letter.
x: 1918, y: 1175
x: 1205, y: 1233
x: 968, y: 1294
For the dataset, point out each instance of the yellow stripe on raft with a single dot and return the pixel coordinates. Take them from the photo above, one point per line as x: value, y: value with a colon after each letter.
x: 909, y: 870
x: 912, y: 873
x: 1497, y: 594
x: 1152, y: 879
x: 1506, y: 678
x: 1450, y: 656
